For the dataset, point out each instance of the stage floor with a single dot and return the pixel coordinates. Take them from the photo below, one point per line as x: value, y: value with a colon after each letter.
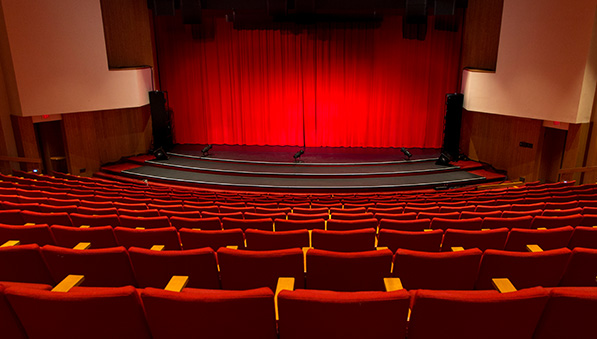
x: 326, y: 169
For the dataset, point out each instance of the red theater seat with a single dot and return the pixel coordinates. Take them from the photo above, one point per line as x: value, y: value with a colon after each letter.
x: 553, y: 222
x: 570, y: 313
x: 148, y: 222
x: 241, y: 269
x: 437, y: 271
x: 396, y: 216
x: 300, y: 216
x: 354, y: 271
x: 24, y: 263
x: 96, y: 211
x: 138, y: 213
x: 347, y: 225
x: 213, y: 223
x: 10, y: 324
x: 492, y: 208
x: 516, y: 214
x: 99, y: 237
x: 94, y: 220
x: 472, y: 215
x: 61, y: 218
x: 58, y: 209
x: 524, y: 269
x: 27, y: 234
x: 581, y: 269
x: 81, y: 312
x: 156, y: 268
x: 129, y: 237
x: 344, y: 241
x: 427, y: 215
x: 548, y: 239
x: 273, y: 216
x: 257, y: 224
x: 328, y: 314
x: 291, y: 225
x: 209, y: 238
x: 352, y: 216
x: 268, y: 240
x: 476, y: 314
x: 320, y: 210
x: 210, y: 313
x: 561, y: 212
x: 405, y: 225
x: 411, y: 240
x: 459, y: 224
x: 510, y: 223
x: 527, y: 207
x: 105, y: 267
x: 11, y: 217
x: 231, y: 215
x: 583, y: 237
x: 483, y: 240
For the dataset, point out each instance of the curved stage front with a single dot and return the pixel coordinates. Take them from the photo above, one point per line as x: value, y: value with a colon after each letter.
x: 272, y: 168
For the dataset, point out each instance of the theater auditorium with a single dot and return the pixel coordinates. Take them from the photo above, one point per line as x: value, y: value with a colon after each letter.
x: 280, y: 169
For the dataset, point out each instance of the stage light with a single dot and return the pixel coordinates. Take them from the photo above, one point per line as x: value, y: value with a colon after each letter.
x: 406, y: 152
x: 160, y: 154
x: 205, y: 150
x: 298, y: 154
x: 444, y: 160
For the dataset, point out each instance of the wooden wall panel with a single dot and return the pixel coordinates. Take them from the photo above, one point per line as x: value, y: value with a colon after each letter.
x: 495, y: 139
x: 127, y: 32
x: 81, y: 143
x: 481, y: 40
x: 95, y: 138
x: 26, y: 141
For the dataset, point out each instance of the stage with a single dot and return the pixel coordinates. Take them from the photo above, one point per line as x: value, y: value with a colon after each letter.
x: 322, y: 169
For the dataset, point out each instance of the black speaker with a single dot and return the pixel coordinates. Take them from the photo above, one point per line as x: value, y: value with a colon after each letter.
x: 160, y: 121
x: 452, y: 122
x: 414, y: 22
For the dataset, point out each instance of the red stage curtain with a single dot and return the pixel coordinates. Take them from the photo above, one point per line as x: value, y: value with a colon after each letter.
x: 349, y: 84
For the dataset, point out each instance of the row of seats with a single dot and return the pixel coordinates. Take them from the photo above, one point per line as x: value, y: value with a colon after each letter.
x: 217, y: 221
x: 115, y: 191
x: 34, y: 311
x: 327, y: 270
x: 343, y: 241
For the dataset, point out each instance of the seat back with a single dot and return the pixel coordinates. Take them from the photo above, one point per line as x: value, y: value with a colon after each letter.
x: 60, y: 218
x: 155, y: 268
x: 351, y: 216
x: 570, y: 313
x: 215, y: 239
x: 494, y: 239
x: 104, y: 267
x: 404, y: 225
x: 509, y: 223
x: 99, y: 237
x: 27, y: 234
x: 459, y: 224
x: 581, y: 269
x: 241, y: 269
x: 344, y: 241
x: 292, y: 225
x: 476, y: 314
x: 210, y: 313
x: 129, y: 237
x: 417, y: 240
x: 268, y: 240
x: 437, y: 271
x: 547, y: 239
x: 81, y: 312
x: 554, y: 222
x: 300, y: 216
x: 353, y: 271
x: 328, y: 314
x: 583, y: 237
x: 212, y: 223
x: 24, y: 263
x: 146, y: 222
x: 472, y: 215
x: 265, y: 224
x: 346, y: 225
x: 95, y: 220
x: 11, y: 217
x: 524, y: 269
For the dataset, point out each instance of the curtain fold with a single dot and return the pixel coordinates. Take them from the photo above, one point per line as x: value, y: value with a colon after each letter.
x: 346, y: 84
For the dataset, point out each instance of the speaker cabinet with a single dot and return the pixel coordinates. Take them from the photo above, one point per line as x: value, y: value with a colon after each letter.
x: 452, y: 122
x: 160, y: 121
